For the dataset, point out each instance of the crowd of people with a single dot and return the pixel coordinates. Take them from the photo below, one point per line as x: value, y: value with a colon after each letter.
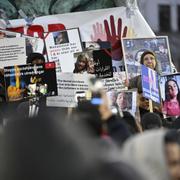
x: 92, y: 142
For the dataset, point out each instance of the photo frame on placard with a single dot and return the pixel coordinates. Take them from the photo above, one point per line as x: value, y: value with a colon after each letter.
x: 60, y: 37
x: 61, y: 45
x: 98, y: 62
x: 134, y: 47
x: 170, y: 94
x: 125, y: 100
x: 34, y: 45
x: 84, y: 62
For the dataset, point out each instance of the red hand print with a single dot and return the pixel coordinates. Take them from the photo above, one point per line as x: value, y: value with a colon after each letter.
x: 115, y: 38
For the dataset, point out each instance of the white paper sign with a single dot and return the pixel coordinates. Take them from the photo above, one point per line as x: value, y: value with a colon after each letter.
x: 61, y: 45
x: 12, y: 51
x: 68, y: 85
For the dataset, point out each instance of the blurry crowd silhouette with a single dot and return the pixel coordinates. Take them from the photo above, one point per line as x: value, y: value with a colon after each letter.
x: 90, y: 143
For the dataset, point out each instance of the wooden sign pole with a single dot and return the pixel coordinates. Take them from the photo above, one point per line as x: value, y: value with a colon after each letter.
x: 150, y: 105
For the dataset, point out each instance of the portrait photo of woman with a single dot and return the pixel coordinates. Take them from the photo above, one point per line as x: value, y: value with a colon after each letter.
x: 171, y: 104
x: 124, y: 100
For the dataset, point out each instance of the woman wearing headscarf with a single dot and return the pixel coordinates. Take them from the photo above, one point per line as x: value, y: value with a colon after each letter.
x: 155, y: 154
x: 148, y: 58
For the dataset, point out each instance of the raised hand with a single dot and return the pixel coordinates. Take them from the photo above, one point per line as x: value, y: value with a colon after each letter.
x: 99, y: 33
x: 115, y: 37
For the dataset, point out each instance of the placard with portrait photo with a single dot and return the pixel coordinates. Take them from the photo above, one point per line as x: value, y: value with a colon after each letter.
x: 123, y: 100
x: 61, y: 45
x: 170, y: 94
x: 134, y: 47
x: 97, y: 62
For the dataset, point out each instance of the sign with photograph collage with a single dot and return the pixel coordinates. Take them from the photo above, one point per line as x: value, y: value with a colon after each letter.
x: 102, y: 38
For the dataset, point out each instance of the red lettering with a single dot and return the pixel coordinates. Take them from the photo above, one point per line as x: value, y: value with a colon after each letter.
x: 17, y: 29
x: 38, y: 29
x: 35, y: 28
x: 55, y: 27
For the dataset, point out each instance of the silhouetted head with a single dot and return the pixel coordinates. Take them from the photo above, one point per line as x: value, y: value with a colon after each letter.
x: 151, y: 121
x: 35, y: 58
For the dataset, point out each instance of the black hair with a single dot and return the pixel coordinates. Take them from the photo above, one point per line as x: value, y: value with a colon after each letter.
x: 151, y: 120
x: 33, y: 56
x: 130, y: 122
x: 167, y: 95
x: 172, y: 136
x: 89, y: 115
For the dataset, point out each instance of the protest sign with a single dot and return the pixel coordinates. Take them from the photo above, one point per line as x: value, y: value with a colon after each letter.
x: 150, y: 84
x: 12, y: 51
x: 98, y: 62
x: 103, y: 63
x: 170, y: 93
x: 116, y: 82
x: 68, y: 86
x: 134, y: 47
x: 26, y: 81
x: 104, y: 24
x: 123, y: 100
x: 61, y: 45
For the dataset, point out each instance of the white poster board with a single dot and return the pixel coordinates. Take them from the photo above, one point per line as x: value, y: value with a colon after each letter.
x: 61, y: 45
x: 68, y: 86
x: 12, y: 51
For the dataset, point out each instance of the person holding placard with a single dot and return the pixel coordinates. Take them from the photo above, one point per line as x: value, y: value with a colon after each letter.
x: 148, y: 58
x: 171, y: 105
